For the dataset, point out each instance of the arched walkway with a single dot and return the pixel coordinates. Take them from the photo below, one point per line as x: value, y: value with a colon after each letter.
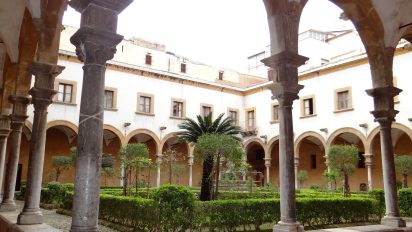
x: 310, y: 154
x: 274, y: 161
x: 255, y: 156
x: 175, y: 166
x: 112, y: 142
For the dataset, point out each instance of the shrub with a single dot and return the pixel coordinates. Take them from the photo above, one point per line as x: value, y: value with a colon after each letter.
x: 315, y: 187
x: 405, y: 202
x: 175, y: 205
x: 379, y: 196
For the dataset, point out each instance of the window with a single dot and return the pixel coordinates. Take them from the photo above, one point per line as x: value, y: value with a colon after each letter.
x: 343, y: 100
x: 361, y: 162
x: 145, y: 104
x: 308, y: 107
x: 206, y: 110
x: 108, y: 99
x: 250, y: 119
x: 183, y: 67
x: 234, y: 115
x: 178, y: 108
x: 275, y: 113
x: 65, y: 93
x: 312, y: 161
x: 148, y: 59
x: 221, y: 73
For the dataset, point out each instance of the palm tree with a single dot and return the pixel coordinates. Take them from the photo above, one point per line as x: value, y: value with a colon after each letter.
x: 192, y: 130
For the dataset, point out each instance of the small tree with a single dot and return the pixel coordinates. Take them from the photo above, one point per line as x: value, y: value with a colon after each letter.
x: 343, y: 159
x: 107, y: 166
x: 178, y: 170
x: 73, y: 154
x: 224, y: 149
x: 331, y: 176
x: 302, y: 177
x: 60, y: 164
x: 403, y: 166
x: 131, y: 157
x: 171, y: 158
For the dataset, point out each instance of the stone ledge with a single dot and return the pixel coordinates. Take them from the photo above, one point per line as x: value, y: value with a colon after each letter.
x: 369, y: 228
x: 8, y: 224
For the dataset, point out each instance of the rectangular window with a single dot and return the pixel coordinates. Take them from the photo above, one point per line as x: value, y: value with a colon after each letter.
x: 177, y: 109
x: 183, y: 67
x: 361, y: 162
x: 206, y: 110
x: 65, y: 93
x: 343, y: 100
x: 308, y: 106
x: 148, y: 59
x: 251, y: 120
x: 221, y: 73
x: 233, y: 115
x: 312, y: 161
x: 108, y: 99
x: 275, y: 113
x: 145, y: 103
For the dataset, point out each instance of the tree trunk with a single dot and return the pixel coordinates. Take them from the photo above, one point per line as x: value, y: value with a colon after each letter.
x: 217, y: 177
x: 126, y: 172
x: 57, y: 175
x: 346, y: 190
x: 405, y: 181
x: 205, y: 189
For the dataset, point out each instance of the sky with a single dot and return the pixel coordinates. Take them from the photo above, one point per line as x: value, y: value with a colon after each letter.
x: 222, y: 33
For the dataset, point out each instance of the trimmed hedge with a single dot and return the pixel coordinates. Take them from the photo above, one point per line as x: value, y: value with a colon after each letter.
x: 405, y: 202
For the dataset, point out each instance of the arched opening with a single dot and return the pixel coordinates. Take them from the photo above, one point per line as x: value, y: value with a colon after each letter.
x: 255, y: 157
x: 274, y: 164
x: 402, y: 145
x: 311, y: 153
x: 24, y: 155
x: 148, y: 176
x: 358, y: 181
x: 175, y: 167
x: 111, y: 145
x: 59, y: 139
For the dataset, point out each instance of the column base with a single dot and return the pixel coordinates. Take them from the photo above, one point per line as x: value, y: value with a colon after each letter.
x: 30, y: 217
x: 393, y: 221
x: 8, y: 206
x: 288, y: 227
x: 83, y: 229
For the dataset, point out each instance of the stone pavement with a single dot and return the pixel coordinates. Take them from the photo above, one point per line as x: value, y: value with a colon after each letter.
x: 369, y: 228
x: 53, y: 222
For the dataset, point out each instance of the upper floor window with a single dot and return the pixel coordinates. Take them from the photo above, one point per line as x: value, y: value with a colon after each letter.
x: 275, y: 112
x: 183, y: 67
x: 178, y: 108
x: 108, y: 99
x: 65, y: 93
x: 233, y: 115
x: 308, y: 108
x: 148, y: 59
x: 206, y: 110
x: 250, y: 119
x: 221, y: 74
x: 145, y: 103
x: 343, y: 99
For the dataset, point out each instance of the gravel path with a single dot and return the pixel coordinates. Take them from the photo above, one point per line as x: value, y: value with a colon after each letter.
x: 60, y: 221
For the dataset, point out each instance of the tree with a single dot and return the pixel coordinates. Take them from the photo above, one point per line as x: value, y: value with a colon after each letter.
x: 61, y: 163
x: 331, y: 176
x: 403, y: 166
x: 344, y: 160
x: 302, y: 176
x: 73, y: 154
x: 192, y: 130
x: 170, y: 158
x: 223, y: 149
x: 107, y: 166
x: 131, y: 157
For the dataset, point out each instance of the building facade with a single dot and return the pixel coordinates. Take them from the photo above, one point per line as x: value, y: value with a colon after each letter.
x: 150, y: 91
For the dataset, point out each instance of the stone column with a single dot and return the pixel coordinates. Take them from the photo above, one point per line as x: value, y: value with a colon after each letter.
x: 285, y: 89
x: 159, y: 163
x: 368, y: 163
x: 384, y: 114
x: 95, y: 43
x: 4, y: 133
x: 42, y: 94
x: 18, y: 117
x: 267, y: 165
x: 296, y: 172
x: 190, y: 162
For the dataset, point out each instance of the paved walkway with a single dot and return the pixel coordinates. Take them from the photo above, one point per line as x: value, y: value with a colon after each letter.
x: 369, y: 228
x: 59, y: 221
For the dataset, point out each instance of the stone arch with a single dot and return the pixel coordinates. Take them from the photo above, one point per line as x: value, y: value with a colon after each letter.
x: 115, y: 131
x: 253, y: 140
x: 270, y: 144
x: 351, y: 130
x: 308, y: 134
x: 395, y: 125
x: 143, y: 131
x: 62, y: 123
x: 254, y: 148
x: 169, y: 136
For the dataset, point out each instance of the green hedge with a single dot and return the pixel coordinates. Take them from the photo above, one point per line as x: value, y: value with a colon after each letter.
x: 405, y: 202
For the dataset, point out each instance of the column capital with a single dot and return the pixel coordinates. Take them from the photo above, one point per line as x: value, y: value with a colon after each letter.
x: 19, y: 106
x: 268, y: 162
x: 4, y: 126
x: 296, y: 161
x: 115, y: 5
x: 384, y: 112
x: 285, y: 58
x: 45, y: 74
